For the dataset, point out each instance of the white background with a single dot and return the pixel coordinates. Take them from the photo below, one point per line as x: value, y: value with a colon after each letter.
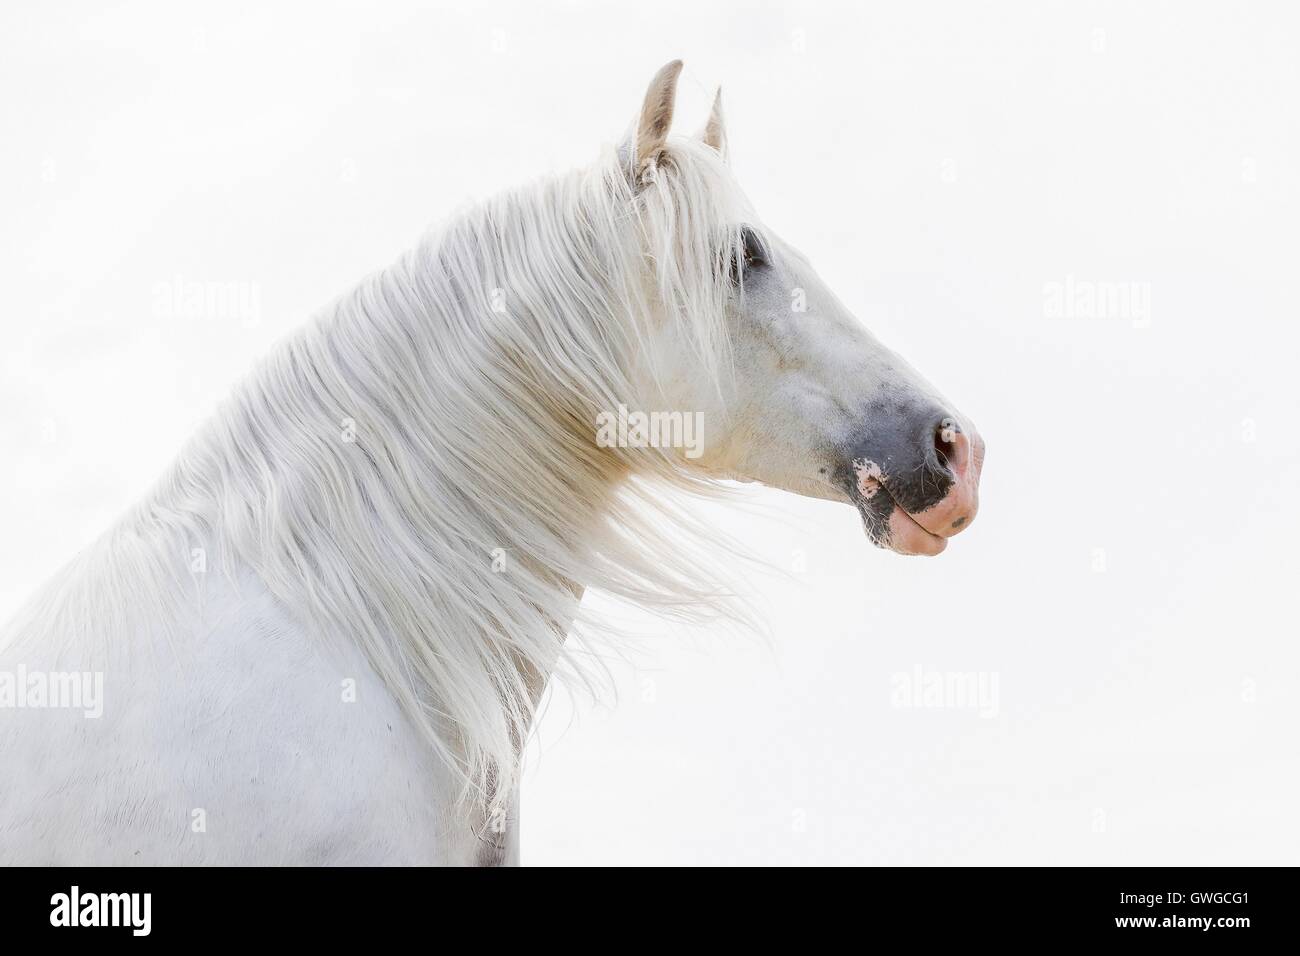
x: 1130, y: 581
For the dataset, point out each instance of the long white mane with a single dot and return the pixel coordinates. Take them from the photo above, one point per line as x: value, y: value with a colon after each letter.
x: 416, y: 469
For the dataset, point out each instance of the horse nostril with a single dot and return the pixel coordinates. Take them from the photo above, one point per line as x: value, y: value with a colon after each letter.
x: 945, y: 442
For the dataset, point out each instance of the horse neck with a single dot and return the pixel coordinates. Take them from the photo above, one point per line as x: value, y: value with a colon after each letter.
x: 402, y: 477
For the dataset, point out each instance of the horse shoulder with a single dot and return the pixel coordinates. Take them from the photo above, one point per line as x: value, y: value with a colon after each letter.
x: 242, y: 738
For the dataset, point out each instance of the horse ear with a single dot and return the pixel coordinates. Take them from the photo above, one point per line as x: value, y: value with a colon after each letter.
x: 656, y: 119
x: 714, y: 133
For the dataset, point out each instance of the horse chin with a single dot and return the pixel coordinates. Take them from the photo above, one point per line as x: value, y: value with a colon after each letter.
x: 908, y: 537
x: 895, y: 530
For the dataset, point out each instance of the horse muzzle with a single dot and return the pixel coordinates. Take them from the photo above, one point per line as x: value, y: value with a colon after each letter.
x: 915, y: 479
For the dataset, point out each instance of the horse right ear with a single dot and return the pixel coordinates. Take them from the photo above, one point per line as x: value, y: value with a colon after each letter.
x: 715, y: 132
x: 656, y: 119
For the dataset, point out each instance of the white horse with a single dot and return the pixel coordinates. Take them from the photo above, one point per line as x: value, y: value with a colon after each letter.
x: 322, y: 637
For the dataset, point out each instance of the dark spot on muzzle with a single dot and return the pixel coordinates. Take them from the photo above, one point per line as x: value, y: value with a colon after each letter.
x: 907, y: 441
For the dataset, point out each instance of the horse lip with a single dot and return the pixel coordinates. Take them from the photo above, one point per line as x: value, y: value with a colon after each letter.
x: 919, y: 540
x: 895, y: 530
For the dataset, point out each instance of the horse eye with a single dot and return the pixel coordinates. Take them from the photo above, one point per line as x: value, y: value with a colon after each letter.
x: 752, y: 248
x: 751, y: 255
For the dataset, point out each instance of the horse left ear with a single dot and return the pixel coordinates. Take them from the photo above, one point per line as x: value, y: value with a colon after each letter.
x: 714, y: 133
x: 656, y: 119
